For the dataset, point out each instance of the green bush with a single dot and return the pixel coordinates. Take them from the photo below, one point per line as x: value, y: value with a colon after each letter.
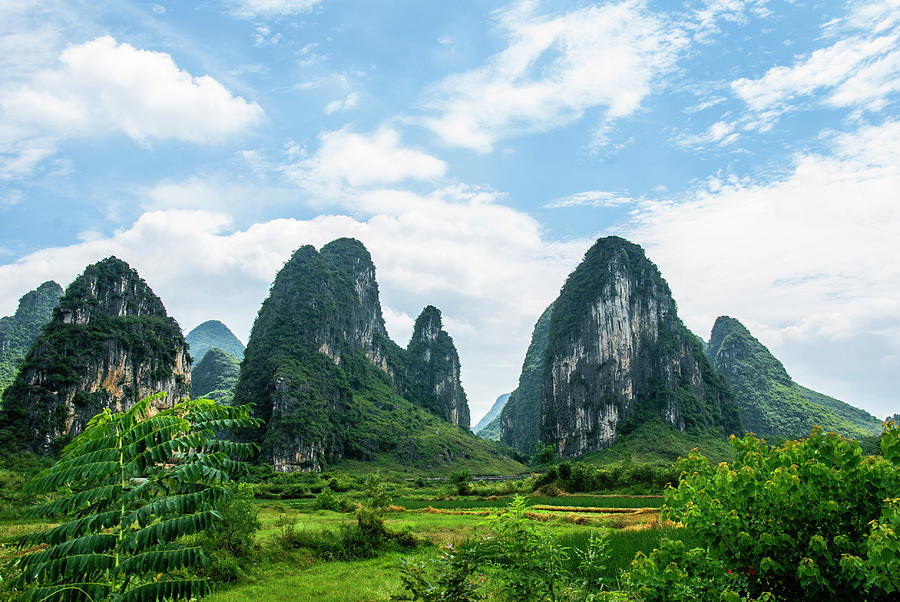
x: 460, y: 481
x: 236, y: 531
x: 525, y: 558
x: 797, y: 518
x: 446, y: 578
x: 672, y: 573
x: 593, y: 560
x: 327, y: 500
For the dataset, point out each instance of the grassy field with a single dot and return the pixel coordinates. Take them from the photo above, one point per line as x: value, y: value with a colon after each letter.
x: 428, y: 519
x: 302, y: 577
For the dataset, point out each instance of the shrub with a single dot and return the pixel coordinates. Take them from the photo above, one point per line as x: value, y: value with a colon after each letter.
x: 673, y: 574
x: 797, y: 518
x: 525, y: 557
x: 593, y: 560
x: 459, y: 480
x: 235, y: 532
x: 327, y: 500
x: 447, y: 578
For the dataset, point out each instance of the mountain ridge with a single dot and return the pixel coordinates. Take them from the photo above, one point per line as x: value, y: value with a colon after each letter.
x: 331, y: 385
x: 770, y: 402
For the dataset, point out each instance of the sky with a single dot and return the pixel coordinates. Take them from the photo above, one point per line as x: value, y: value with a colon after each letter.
x: 477, y: 149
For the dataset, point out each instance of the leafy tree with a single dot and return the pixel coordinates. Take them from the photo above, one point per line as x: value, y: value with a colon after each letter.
x: 544, y: 455
x: 133, y: 483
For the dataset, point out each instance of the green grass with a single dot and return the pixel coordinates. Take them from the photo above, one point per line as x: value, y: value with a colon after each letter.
x: 657, y: 443
x: 374, y: 579
x: 624, y: 544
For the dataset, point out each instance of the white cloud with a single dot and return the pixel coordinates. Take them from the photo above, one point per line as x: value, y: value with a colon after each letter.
x: 100, y: 87
x: 861, y: 70
x: 263, y: 36
x: 158, y: 9
x: 704, y: 22
x: 249, y: 9
x: 485, y: 265
x: 590, y: 198
x: 721, y: 132
x: 806, y: 261
x: 346, y: 158
x: 349, y: 102
x: 553, y: 69
x: 825, y: 68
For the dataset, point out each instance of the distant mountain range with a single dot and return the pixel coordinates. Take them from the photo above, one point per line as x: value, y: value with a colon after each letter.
x: 611, y: 370
x: 489, y: 425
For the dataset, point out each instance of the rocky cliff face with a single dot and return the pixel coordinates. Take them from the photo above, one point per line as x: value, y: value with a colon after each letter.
x: 434, y: 370
x: 770, y: 402
x: 18, y: 332
x: 520, y: 419
x: 617, y: 355
x: 324, y: 374
x: 109, y: 344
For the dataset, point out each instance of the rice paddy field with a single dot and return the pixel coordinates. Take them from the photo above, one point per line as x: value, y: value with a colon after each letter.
x: 312, y: 567
x: 633, y: 521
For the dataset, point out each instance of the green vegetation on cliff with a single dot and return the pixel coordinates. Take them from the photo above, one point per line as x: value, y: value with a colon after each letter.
x: 770, y: 402
x: 18, y: 332
x: 520, y: 419
x: 599, y: 272
x: 215, y: 376
x: 109, y: 344
x: 213, y: 333
x: 331, y: 385
x: 431, y: 375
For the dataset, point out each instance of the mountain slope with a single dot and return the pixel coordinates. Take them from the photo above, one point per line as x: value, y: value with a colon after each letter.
x: 109, y: 344
x: 331, y: 385
x: 215, y: 376
x: 489, y: 425
x: 213, y: 333
x: 520, y: 419
x: 18, y: 332
x: 770, y: 402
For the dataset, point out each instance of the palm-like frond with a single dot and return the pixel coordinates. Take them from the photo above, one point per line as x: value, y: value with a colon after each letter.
x: 136, y: 483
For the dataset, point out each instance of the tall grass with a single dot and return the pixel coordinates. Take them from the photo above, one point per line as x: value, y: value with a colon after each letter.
x: 624, y: 544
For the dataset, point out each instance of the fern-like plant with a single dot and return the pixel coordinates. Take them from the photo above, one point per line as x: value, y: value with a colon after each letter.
x: 134, y: 483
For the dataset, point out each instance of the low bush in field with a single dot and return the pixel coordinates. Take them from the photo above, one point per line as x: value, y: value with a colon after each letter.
x: 581, y: 477
x: 362, y: 539
x: 520, y: 560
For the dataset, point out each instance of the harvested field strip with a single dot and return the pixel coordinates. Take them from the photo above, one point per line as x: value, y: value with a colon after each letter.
x: 591, y: 501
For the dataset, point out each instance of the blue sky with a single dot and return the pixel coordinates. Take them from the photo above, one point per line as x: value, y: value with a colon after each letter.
x: 477, y: 149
